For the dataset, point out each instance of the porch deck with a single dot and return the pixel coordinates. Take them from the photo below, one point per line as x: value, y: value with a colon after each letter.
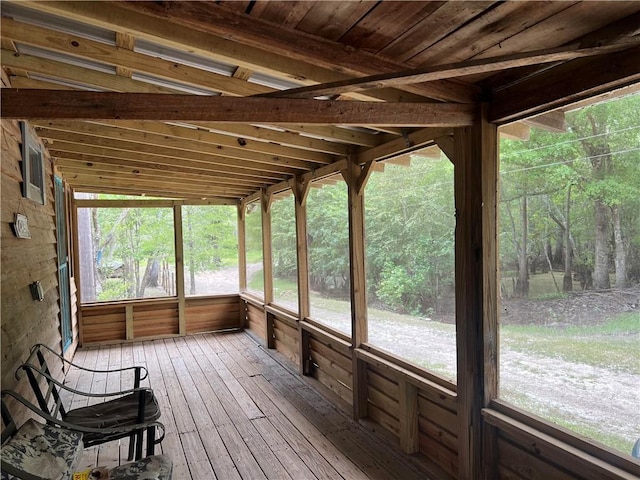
x: 234, y: 411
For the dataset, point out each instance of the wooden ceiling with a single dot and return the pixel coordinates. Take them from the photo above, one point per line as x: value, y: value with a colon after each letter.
x: 394, y: 75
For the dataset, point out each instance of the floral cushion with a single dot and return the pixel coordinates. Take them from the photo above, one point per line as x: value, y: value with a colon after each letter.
x: 155, y: 467
x: 41, y: 451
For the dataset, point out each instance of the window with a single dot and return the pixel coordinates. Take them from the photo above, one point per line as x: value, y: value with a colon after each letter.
x: 253, y: 232
x: 570, y: 272
x: 410, y: 248
x: 285, y: 260
x: 33, y: 168
x: 328, y: 246
x: 127, y: 253
x: 210, y: 247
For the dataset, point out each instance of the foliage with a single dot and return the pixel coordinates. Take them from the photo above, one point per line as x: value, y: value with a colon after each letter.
x: 410, y: 224
x: 598, y: 159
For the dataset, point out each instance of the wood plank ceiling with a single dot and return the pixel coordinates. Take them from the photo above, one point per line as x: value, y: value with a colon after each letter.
x: 431, y: 58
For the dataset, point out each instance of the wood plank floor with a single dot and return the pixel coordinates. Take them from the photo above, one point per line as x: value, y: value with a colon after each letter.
x: 235, y: 411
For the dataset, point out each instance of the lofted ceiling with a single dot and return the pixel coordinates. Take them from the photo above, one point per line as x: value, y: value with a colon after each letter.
x: 327, y: 80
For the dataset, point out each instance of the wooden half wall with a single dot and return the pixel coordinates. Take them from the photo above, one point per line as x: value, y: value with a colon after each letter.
x: 143, y: 319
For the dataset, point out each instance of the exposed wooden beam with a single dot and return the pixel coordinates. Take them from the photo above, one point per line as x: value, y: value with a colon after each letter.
x: 412, y: 141
x: 553, y: 121
x: 200, y: 135
x: 92, y: 186
x: 51, y: 104
x: 86, y: 144
x: 76, y: 179
x: 150, y: 167
x: 63, y: 149
x: 263, y: 35
x: 98, y: 203
x: 453, y: 70
x: 194, y: 182
x: 291, y: 138
x: 79, y: 75
x: 114, y: 16
x: 572, y: 82
x: 126, y: 41
x: 69, y: 129
x: 121, y: 57
x: 93, y: 79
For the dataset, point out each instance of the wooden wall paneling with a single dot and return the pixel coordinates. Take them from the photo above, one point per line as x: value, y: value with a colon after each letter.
x: 544, y: 447
x: 444, y: 458
x: 516, y: 463
x: 286, y: 339
x: 179, y: 252
x: 383, y: 419
x: 256, y: 320
x: 208, y: 314
x: 103, y: 323
x: 25, y: 321
x: 155, y: 319
x: 475, y: 173
x: 438, y: 433
x: 353, y: 176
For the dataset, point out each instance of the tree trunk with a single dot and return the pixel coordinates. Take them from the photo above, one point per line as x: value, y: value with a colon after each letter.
x: 567, y: 281
x: 621, y: 254
x: 601, y: 262
x: 522, y: 285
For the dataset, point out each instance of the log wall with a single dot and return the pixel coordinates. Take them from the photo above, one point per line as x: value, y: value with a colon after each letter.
x: 25, y: 321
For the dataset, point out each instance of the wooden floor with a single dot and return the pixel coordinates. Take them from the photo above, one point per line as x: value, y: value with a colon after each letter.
x: 234, y: 411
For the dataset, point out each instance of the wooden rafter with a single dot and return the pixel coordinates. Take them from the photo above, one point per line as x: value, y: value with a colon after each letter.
x: 156, y: 143
x: 263, y: 48
x: 457, y: 69
x: 572, y: 82
x: 50, y: 104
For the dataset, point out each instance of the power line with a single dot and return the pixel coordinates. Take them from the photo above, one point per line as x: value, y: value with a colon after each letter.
x: 619, y: 152
x: 574, y: 140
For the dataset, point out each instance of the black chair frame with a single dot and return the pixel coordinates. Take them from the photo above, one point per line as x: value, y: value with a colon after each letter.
x: 50, y: 402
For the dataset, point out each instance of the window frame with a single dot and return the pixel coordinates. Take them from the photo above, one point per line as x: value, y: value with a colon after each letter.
x: 33, y: 182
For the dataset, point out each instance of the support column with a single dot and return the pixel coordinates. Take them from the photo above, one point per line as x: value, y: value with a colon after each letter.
x: 267, y: 264
x: 177, y: 222
x: 476, y: 198
x: 300, y: 190
x: 356, y: 178
x: 242, y: 261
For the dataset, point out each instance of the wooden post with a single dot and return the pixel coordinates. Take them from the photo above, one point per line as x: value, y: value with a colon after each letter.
x: 356, y: 179
x: 242, y: 261
x: 128, y: 309
x: 300, y: 189
x: 267, y: 262
x: 242, y: 247
x: 408, y: 403
x: 75, y: 258
x: 476, y: 197
x: 177, y: 222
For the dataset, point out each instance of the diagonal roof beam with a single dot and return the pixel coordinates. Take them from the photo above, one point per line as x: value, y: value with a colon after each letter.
x: 54, y: 104
x: 456, y: 69
x: 572, y: 82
